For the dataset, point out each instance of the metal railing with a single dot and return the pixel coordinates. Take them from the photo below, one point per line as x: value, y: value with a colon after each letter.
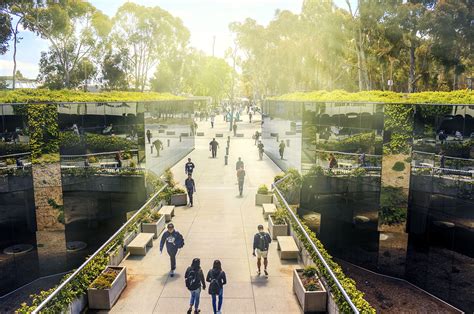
x: 315, y: 248
x: 43, y: 304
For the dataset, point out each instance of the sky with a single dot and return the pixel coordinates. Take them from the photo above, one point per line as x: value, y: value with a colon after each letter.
x: 204, y: 18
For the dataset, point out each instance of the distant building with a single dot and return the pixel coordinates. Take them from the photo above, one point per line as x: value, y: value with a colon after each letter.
x: 20, y: 82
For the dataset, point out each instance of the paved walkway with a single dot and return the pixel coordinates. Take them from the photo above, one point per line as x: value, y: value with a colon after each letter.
x: 221, y: 226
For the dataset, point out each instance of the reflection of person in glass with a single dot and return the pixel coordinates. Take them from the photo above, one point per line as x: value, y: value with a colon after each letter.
x: 442, y: 160
x: 118, y: 159
x: 256, y: 137
x: 442, y: 136
x: 282, y: 149
x: 75, y: 129
x: 362, y: 160
x: 332, y: 161
x: 158, y: 146
x: 260, y: 149
x: 234, y: 127
x: 108, y: 129
x: 148, y: 136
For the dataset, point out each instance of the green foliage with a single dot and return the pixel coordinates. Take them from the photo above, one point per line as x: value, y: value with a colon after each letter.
x: 279, y: 217
x: 49, y: 96
x: 105, y: 279
x: 263, y: 189
x: 278, y: 177
x: 310, y: 271
x: 44, y: 136
x: 153, y: 217
x: 399, y: 166
x: 168, y: 177
x: 392, y: 205
x: 72, y: 143
x: 9, y: 149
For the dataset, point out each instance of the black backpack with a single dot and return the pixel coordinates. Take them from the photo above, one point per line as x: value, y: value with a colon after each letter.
x: 214, y: 284
x: 262, y: 242
x: 192, y: 279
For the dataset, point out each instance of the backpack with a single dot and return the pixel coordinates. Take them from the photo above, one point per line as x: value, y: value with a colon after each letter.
x: 262, y: 242
x: 192, y: 280
x: 214, y: 284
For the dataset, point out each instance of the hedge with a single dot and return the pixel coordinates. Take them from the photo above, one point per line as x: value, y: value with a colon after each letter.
x: 44, y: 95
x: 455, y: 97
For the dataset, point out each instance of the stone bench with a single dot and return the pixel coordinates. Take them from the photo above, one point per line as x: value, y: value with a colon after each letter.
x: 184, y: 134
x: 170, y: 133
x: 219, y: 135
x: 239, y: 135
x: 167, y: 211
x: 140, y: 243
x: 287, y: 247
x: 161, y: 131
x: 268, y: 209
x: 290, y: 133
x: 200, y: 133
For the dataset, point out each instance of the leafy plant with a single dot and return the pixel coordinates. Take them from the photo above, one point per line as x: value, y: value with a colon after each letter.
x: 105, y: 280
x: 312, y: 285
x: 278, y: 177
x: 279, y: 217
x: 153, y: 217
x: 263, y: 189
x: 310, y: 271
x: 398, y: 166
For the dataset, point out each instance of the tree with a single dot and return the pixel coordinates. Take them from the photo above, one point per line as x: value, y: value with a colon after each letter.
x: 113, y: 73
x: 147, y: 36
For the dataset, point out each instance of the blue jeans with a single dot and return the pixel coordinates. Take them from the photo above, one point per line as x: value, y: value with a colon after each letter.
x: 195, y: 296
x: 214, y: 300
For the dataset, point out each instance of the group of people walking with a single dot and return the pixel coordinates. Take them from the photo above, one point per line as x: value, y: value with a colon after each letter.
x: 216, y: 278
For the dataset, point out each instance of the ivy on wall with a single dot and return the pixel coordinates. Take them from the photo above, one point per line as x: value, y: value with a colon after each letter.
x: 44, y: 132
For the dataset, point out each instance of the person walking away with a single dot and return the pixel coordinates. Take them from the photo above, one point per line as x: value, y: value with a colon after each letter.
x: 118, y: 160
x: 241, y: 178
x: 148, y: 136
x: 194, y: 280
x: 442, y: 161
x: 191, y: 188
x: 332, y: 161
x: 174, y: 241
x: 234, y: 127
x: 362, y: 160
x: 261, y: 243
x: 158, y: 146
x: 282, y: 149
x: 239, y: 164
x: 212, y: 122
x: 260, y: 147
x: 213, y: 146
x: 217, y: 279
x: 256, y: 137
x: 250, y: 117
x: 189, y: 167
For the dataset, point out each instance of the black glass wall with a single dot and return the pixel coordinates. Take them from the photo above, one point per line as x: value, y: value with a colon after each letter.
x: 18, y: 255
x: 169, y: 133
x: 281, y: 133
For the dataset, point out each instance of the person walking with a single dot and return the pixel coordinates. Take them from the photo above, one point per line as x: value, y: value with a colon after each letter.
x: 241, y: 178
x: 261, y: 243
x: 260, y: 147
x: 256, y: 137
x: 212, y: 121
x: 332, y: 161
x: 118, y: 159
x: 194, y: 279
x: 158, y: 146
x: 217, y: 279
x: 190, y: 187
x: 234, y: 127
x: 148, y: 136
x: 239, y: 164
x: 213, y: 146
x: 189, y: 167
x: 362, y: 160
x: 282, y: 149
x: 250, y: 117
x: 174, y: 241
x: 442, y: 159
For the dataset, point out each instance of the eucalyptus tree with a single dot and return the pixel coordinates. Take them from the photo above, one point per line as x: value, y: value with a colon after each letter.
x: 147, y: 36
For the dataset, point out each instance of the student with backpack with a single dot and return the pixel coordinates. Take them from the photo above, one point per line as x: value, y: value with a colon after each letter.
x: 261, y: 243
x: 217, y: 279
x: 174, y: 241
x: 194, y: 279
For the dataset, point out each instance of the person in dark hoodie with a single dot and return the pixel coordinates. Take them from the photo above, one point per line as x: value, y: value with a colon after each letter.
x: 194, y: 279
x: 174, y: 241
x: 261, y: 243
x: 217, y: 279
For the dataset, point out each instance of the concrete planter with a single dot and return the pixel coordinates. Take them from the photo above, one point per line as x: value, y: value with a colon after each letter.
x: 154, y: 227
x: 261, y: 199
x: 310, y: 301
x: 116, y: 256
x: 179, y: 199
x: 77, y: 306
x: 105, y: 299
x: 276, y: 230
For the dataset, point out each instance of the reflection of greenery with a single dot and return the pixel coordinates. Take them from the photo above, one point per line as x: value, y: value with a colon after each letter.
x: 366, y: 142
x: 399, y: 166
x: 8, y: 148
x: 95, y: 143
x: 392, y: 205
x: 43, y: 124
x: 15, y: 172
x: 59, y: 208
x: 89, y: 171
x: 399, y: 123
x: 459, y: 149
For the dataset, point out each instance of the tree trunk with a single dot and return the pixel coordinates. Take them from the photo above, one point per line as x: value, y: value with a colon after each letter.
x: 411, y: 79
x: 15, y: 40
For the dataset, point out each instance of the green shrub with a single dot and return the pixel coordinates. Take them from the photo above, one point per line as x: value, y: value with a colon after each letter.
x: 263, y: 189
x: 278, y: 177
x: 279, y: 217
x: 309, y: 271
x: 399, y: 166
x: 105, y: 280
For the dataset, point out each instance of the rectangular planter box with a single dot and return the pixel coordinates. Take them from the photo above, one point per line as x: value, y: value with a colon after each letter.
x: 78, y: 305
x: 179, y: 199
x: 276, y: 230
x: 310, y: 301
x: 116, y: 256
x: 261, y: 199
x: 105, y: 299
x: 154, y: 227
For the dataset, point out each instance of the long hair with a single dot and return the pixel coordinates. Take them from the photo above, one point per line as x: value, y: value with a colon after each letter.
x: 196, y: 264
x: 217, y: 265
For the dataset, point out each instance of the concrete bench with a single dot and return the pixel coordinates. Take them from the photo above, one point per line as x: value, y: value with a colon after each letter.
x: 140, y: 243
x: 268, y: 209
x: 161, y: 131
x: 170, y: 133
x: 239, y: 135
x: 200, y: 133
x: 167, y: 211
x: 184, y: 134
x: 287, y: 247
x: 219, y: 135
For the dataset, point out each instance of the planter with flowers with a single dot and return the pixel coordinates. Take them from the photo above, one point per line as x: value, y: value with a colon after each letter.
x: 309, y: 290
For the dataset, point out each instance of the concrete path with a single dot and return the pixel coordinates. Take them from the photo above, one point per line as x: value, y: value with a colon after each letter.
x: 221, y: 226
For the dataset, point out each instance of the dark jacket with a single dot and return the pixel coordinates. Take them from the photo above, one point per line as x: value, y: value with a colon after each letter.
x: 214, y: 144
x: 196, y: 267
x: 219, y: 275
x: 239, y: 164
x: 259, y: 238
x: 174, y: 241
x: 190, y: 186
x: 189, y: 167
